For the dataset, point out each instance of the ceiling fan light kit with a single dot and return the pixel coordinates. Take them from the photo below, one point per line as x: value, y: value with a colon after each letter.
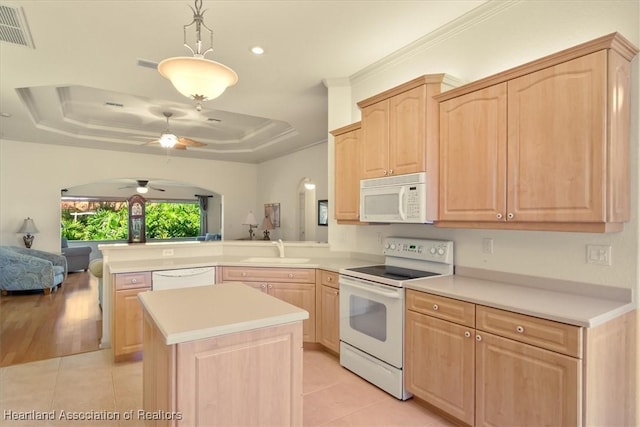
x: 196, y: 77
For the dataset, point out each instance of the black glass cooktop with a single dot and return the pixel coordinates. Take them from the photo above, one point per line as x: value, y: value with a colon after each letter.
x: 394, y: 273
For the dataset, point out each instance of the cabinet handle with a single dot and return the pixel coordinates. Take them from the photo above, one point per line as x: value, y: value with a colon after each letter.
x: 499, y: 216
x: 270, y: 286
x: 390, y: 171
x: 520, y: 329
x: 134, y: 280
x: 478, y: 338
x: 467, y: 334
x: 329, y: 279
x: 244, y: 273
x: 290, y: 275
x: 435, y: 307
x: 384, y: 172
x: 336, y: 293
x: 510, y: 215
x: 263, y: 286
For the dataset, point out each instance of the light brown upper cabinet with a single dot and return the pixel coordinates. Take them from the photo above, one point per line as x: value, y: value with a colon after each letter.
x: 544, y: 146
x: 347, y: 173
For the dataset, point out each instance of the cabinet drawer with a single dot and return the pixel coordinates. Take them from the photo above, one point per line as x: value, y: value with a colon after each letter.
x: 443, y: 308
x: 263, y: 274
x: 133, y: 280
x: 329, y: 278
x: 554, y: 336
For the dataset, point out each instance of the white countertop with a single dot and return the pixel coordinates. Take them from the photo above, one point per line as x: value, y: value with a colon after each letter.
x: 325, y: 263
x: 571, y: 308
x: 203, y: 312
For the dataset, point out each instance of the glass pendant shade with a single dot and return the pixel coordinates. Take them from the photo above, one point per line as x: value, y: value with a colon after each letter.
x: 168, y: 140
x: 196, y: 77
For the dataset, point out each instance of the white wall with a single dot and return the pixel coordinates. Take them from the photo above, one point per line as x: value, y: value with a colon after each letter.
x: 278, y: 183
x: 512, y: 34
x: 31, y: 176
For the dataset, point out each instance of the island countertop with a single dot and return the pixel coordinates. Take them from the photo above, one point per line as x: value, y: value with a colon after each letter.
x: 190, y: 314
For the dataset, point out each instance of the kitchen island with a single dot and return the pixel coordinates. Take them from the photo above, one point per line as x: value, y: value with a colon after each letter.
x: 221, y: 355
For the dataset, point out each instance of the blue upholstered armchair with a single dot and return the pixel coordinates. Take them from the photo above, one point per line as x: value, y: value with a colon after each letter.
x: 23, y: 269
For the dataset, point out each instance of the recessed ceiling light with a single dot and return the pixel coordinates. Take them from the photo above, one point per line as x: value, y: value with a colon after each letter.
x: 257, y: 50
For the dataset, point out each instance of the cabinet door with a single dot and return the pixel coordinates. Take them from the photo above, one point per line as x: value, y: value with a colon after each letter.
x: 407, y: 127
x: 375, y: 140
x: 473, y: 142
x: 521, y: 385
x: 251, y: 378
x: 439, y: 366
x: 347, y: 176
x: 330, y: 318
x: 556, y: 159
x: 127, y: 322
x: 302, y: 295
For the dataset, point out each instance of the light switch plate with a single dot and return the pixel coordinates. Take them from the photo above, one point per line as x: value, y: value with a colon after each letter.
x: 599, y: 254
x: 167, y: 252
x: 487, y: 245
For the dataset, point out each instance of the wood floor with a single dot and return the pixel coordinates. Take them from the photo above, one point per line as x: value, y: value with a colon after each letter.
x: 35, y: 326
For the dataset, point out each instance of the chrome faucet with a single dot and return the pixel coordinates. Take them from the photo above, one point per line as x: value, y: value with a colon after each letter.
x: 280, y: 246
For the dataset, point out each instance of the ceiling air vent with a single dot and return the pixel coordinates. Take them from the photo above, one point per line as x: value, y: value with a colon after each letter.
x: 13, y: 26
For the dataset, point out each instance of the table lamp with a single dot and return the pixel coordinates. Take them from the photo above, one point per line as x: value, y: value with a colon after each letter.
x: 29, y: 229
x: 251, y: 221
x: 267, y: 225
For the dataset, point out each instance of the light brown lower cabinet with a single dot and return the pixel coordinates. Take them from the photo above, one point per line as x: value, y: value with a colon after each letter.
x: 501, y: 368
x: 293, y: 285
x: 440, y: 364
x: 127, y: 313
x: 245, y: 378
x: 328, y: 309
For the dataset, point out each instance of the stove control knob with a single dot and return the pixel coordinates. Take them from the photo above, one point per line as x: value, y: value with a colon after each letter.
x: 393, y: 247
x: 387, y: 246
x: 432, y: 251
x: 440, y: 251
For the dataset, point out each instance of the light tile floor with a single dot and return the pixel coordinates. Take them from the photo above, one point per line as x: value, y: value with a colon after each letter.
x: 90, y: 383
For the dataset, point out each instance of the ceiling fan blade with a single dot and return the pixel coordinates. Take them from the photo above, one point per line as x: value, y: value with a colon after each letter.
x: 156, y: 188
x: 190, y: 142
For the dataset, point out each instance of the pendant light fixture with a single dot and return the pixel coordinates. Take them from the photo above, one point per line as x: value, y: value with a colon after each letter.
x: 196, y: 77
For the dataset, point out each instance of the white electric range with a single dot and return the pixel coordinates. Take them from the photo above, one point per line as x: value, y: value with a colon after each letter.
x: 372, y: 308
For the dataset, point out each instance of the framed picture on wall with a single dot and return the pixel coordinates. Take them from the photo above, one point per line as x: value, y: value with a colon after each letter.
x: 323, y: 212
x: 272, y: 210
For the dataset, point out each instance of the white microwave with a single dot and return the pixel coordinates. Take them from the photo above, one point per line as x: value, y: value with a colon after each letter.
x: 400, y: 198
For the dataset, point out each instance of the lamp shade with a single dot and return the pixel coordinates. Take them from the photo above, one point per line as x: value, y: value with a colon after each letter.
x: 168, y: 140
x: 197, y: 77
x: 250, y: 219
x: 267, y: 224
x: 28, y: 227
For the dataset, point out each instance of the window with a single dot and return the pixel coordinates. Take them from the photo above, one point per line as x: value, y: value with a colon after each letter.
x: 106, y: 219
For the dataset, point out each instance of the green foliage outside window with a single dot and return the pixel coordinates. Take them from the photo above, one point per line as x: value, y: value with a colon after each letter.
x: 109, y: 221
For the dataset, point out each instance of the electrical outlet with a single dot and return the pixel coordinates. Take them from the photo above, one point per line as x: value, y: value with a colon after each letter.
x: 599, y: 254
x: 167, y: 252
x: 487, y: 245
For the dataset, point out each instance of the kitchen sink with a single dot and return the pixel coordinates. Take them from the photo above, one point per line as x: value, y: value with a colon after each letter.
x: 277, y: 260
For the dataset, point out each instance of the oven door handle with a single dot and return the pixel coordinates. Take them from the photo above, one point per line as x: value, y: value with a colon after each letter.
x: 372, y: 289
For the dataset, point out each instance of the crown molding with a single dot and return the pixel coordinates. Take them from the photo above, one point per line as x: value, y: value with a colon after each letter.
x: 458, y: 25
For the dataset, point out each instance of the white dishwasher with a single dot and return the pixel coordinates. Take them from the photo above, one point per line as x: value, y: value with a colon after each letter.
x: 183, y: 278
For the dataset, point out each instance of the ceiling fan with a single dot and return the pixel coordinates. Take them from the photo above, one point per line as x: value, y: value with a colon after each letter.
x: 170, y: 140
x: 142, y: 186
